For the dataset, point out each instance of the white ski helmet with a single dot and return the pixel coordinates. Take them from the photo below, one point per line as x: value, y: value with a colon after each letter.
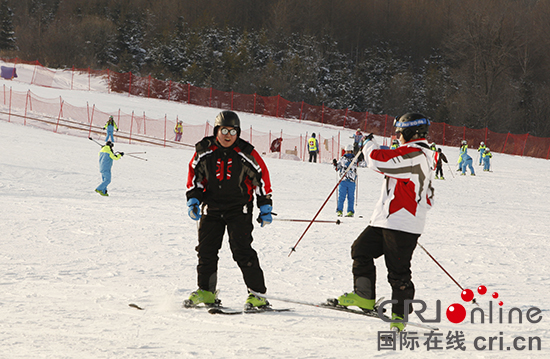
x: 482, y: 143
x: 349, y: 148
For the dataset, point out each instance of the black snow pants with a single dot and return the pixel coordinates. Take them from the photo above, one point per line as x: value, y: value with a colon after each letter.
x: 397, y: 248
x: 238, y: 221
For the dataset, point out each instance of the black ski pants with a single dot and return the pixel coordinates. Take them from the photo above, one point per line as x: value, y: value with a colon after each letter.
x: 238, y: 222
x: 397, y: 248
x: 439, y: 171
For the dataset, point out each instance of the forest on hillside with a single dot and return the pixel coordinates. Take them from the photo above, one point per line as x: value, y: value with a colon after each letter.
x: 474, y: 63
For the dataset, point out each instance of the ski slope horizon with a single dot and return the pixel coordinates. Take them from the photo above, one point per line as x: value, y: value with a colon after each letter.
x: 73, y: 260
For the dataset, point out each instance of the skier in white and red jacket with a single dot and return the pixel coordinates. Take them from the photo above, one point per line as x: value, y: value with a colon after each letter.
x: 399, y: 216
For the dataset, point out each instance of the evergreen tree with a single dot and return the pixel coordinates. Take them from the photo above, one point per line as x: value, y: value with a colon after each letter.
x: 7, y: 34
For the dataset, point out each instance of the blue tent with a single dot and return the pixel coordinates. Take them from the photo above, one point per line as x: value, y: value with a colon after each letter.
x: 8, y: 72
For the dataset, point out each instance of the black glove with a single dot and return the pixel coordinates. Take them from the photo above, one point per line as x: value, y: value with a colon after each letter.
x: 121, y: 154
x: 334, y: 161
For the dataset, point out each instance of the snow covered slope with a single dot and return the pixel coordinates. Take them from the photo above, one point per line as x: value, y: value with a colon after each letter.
x: 72, y: 261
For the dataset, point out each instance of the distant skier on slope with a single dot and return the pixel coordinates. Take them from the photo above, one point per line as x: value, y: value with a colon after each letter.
x: 439, y: 167
x: 487, y: 155
x: 110, y: 126
x: 399, y: 216
x: 347, y: 186
x: 106, y: 157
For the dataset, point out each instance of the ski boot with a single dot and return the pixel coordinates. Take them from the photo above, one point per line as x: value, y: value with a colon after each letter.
x: 350, y: 214
x: 352, y: 299
x: 254, y: 302
x: 398, y: 327
x: 199, y: 296
x: 339, y: 213
x: 102, y: 193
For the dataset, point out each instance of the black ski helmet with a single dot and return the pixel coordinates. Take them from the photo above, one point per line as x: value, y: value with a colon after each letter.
x: 110, y: 144
x: 411, y: 124
x: 227, y: 119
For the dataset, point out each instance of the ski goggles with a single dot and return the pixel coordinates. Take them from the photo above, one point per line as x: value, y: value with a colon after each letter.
x: 225, y: 131
x: 418, y: 122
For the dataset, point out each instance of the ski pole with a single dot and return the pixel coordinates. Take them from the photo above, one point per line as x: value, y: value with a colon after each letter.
x: 91, y: 139
x: 139, y: 158
x: 305, y: 220
x: 447, y: 273
x: 450, y: 170
x: 293, y: 249
x: 134, y: 153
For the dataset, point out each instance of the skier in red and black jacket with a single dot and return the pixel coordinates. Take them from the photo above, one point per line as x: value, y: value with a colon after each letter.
x: 225, y: 174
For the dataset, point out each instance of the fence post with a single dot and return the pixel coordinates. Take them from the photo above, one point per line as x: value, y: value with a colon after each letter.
x: 165, y: 124
x: 144, y: 127
x: 9, y: 110
x: 306, y: 147
x: 338, y: 153
x: 72, y: 77
x: 92, y: 118
x: 26, y: 104
x: 88, y: 113
x: 60, y: 113
x: 34, y: 72
x: 131, y: 127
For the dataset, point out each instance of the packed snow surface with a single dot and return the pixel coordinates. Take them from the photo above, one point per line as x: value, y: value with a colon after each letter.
x: 72, y: 261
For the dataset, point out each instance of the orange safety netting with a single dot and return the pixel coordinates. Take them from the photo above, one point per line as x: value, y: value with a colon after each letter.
x: 276, y: 106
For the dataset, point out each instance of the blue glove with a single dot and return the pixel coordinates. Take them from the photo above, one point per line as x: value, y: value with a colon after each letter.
x: 265, y: 216
x: 194, y: 210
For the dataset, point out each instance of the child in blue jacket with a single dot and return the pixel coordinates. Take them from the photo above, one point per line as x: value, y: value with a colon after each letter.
x: 347, y: 186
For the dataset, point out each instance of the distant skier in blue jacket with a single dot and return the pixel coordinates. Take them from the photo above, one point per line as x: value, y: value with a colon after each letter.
x: 487, y: 155
x: 347, y: 186
x: 463, y: 153
x: 467, y: 162
x: 110, y: 126
x: 106, y: 157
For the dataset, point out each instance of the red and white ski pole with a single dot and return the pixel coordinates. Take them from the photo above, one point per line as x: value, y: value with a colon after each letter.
x: 293, y: 249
